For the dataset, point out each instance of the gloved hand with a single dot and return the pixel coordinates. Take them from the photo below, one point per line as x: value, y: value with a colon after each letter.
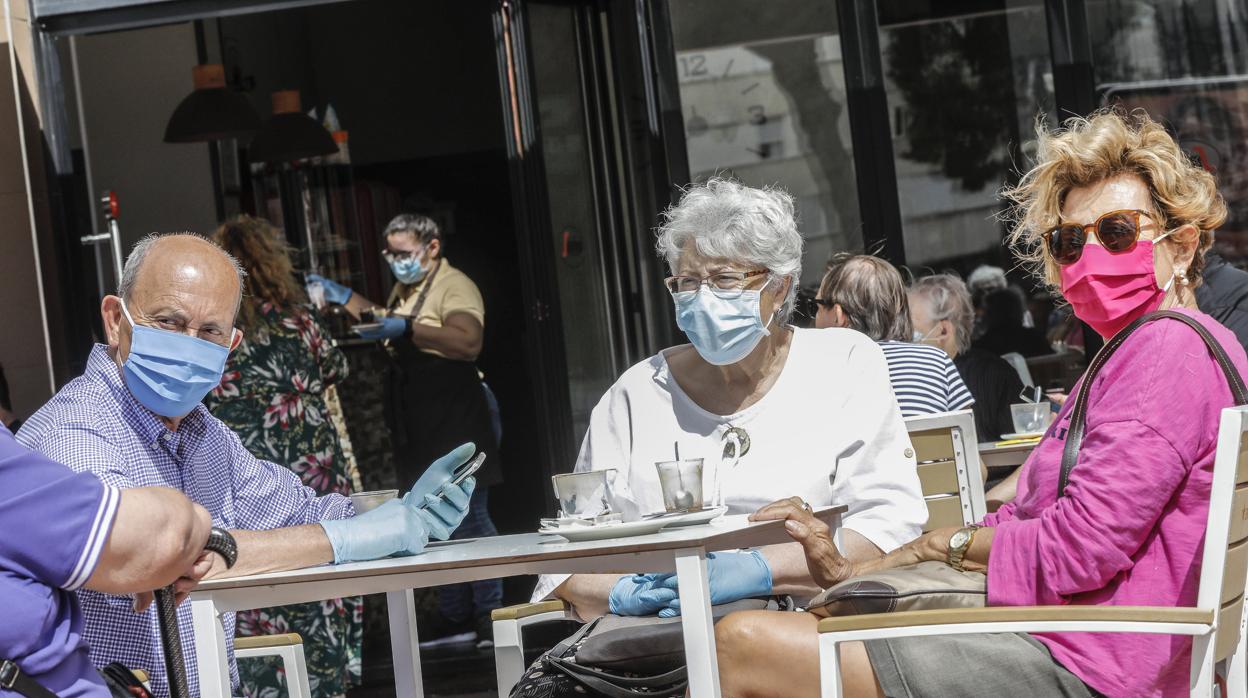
x: 399, y: 525
x: 444, y: 513
x: 390, y: 327
x: 334, y: 291
x: 733, y: 576
x: 637, y: 595
x: 442, y: 469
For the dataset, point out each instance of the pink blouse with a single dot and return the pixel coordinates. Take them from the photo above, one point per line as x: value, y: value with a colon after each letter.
x: 1130, y: 529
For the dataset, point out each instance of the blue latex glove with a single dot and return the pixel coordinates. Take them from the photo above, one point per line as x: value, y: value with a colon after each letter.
x: 406, y: 525
x: 443, y: 514
x: 639, y: 595
x: 391, y: 327
x: 334, y: 291
x: 733, y: 576
x: 441, y: 470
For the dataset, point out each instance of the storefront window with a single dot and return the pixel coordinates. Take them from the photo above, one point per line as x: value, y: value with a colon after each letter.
x: 1186, y: 64
x: 964, y: 90
x: 762, y: 93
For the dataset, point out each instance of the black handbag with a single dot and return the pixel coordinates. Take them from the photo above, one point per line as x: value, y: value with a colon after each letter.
x: 121, y: 682
x: 622, y: 657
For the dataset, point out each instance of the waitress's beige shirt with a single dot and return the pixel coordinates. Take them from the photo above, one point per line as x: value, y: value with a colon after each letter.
x: 452, y: 292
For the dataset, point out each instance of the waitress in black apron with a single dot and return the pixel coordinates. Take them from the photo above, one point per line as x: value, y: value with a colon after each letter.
x: 432, y: 328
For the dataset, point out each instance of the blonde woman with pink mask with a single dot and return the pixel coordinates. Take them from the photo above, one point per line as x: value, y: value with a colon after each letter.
x: 1117, y: 218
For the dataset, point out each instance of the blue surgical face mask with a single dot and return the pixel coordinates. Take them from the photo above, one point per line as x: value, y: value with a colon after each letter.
x: 409, y: 270
x: 921, y: 338
x: 724, y: 331
x: 169, y: 373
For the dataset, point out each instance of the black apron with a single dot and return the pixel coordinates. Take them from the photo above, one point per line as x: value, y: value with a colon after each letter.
x: 433, y: 405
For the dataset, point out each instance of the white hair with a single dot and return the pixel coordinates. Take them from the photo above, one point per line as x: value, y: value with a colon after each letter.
x: 947, y: 298
x: 729, y: 220
x: 130, y: 273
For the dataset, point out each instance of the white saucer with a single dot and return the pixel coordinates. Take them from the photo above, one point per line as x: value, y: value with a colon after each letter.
x: 693, y: 518
x: 643, y: 527
x: 1023, y: 435
x: 603, y: 531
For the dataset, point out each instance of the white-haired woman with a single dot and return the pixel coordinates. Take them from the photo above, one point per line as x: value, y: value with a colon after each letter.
x: 811, y: 408
x: 942, y: 315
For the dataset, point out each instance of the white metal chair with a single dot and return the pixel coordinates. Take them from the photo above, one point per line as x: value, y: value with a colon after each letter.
x: 951, y: 475
x: 1215, y: 624
x: 953, y: 485
x: 288, y: 646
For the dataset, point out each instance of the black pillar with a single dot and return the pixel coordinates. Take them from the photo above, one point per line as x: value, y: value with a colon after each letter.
x: 869, y: 129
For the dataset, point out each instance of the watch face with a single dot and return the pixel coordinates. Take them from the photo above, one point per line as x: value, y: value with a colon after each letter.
x: 959, y: 538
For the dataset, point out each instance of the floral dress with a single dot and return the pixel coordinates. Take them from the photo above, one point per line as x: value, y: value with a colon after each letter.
x: 271, y: 396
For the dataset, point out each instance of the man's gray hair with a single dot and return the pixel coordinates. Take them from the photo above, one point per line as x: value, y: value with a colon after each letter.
x: 727, y: 219
x: 947, y: 298
x: 130, y: 273
x: 424, y: 228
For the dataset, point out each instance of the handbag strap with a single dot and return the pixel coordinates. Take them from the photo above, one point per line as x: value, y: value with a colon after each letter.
x: 12, y: 679
x: 1078, y: 415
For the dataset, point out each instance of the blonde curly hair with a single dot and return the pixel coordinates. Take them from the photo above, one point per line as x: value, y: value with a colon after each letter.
x: 1107, y: 144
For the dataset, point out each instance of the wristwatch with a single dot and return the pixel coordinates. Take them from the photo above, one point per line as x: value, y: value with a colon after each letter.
x: 959, y: 543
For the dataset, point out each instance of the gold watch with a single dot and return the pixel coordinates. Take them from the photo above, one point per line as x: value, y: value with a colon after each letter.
x: 959, y: 543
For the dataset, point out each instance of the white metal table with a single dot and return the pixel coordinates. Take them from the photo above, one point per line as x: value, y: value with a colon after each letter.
x: 682, y: 549
x: 995, y: 455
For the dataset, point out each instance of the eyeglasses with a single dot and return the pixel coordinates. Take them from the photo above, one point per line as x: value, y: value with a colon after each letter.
x: 1118, y: 231
x: 401, y: 256
x: 725, y: 284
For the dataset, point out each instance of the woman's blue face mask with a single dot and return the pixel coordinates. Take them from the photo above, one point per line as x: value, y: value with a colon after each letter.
x: 170, y: 373
x: 409, y: 270
x: 723, y: 330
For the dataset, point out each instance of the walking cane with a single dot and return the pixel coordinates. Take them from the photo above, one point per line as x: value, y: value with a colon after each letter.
x: 219, y: 541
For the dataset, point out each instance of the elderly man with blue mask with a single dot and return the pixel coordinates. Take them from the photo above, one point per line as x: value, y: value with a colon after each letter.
x: 134, y: 419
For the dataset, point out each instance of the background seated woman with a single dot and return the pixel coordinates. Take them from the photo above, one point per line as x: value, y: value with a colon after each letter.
x: 814, y: 405
x: 867, y: 294
x: 1128, y: 530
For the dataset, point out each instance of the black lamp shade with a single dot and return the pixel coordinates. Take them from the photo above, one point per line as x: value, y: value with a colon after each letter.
x: 290, y: 136
x: 210, y: 115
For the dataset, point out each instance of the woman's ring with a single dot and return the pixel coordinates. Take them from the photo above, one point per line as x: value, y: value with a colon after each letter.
x: 806, y: 506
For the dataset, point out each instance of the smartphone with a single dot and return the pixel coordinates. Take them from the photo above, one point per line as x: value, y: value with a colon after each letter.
x: 461, y: 473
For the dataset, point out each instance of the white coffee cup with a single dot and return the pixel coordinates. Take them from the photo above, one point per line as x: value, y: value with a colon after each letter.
x: 584, y: 495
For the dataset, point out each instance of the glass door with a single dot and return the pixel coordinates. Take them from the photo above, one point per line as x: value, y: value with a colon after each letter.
x: 567, y: 203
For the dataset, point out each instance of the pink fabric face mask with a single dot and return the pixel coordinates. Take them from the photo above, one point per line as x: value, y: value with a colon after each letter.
x: 1109, y: 291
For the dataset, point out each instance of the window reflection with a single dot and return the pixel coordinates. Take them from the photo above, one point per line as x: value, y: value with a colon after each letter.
x: 762, y: 93
x: 964, y: 91
x: 1186, y: 63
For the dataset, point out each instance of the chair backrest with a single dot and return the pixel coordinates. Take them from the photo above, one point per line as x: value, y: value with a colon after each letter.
x: 1019, y: 363
x: 1224, y: 569
x: 947, y: 451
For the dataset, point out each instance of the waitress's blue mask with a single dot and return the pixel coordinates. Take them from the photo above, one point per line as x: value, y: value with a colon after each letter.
x: 169, y: 373
x: 723, y: 330
x: 408, y: 271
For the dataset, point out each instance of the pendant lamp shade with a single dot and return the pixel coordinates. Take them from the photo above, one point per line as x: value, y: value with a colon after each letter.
x: 212, y: 112
x: 290, y: 134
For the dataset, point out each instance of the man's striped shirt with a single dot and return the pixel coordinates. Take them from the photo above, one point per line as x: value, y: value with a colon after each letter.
x: 924, y: 379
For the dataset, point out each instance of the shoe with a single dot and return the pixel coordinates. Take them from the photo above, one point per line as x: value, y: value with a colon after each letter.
x: 485, y: 632
x: 442, y: 632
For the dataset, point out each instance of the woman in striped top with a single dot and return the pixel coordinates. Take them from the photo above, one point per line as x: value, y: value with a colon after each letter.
x: 867, y: 294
